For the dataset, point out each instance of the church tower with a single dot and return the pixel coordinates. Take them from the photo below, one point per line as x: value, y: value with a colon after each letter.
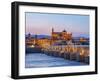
x: 52, y: 36
x: 52, y: 30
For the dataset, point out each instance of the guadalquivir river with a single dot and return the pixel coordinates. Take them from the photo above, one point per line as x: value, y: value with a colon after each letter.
x: 38, y: 60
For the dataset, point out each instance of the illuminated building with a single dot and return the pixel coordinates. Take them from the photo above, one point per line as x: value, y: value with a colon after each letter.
x: 64, y: 35
x: 34, y: 41
x: 43, y: 42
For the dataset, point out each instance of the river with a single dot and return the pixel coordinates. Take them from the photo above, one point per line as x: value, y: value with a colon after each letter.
x: 39, y: 60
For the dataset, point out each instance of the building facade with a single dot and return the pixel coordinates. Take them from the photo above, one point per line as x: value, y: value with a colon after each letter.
x: 64, y: 35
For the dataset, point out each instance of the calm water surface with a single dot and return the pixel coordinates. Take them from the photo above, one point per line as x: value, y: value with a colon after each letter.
x: 38, y: 60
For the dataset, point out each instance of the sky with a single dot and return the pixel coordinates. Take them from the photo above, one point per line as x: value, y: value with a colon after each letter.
x: 42, y: 23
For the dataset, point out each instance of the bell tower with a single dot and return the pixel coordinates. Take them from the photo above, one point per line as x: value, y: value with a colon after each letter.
x: 52, y: 30
x: 52, y: 36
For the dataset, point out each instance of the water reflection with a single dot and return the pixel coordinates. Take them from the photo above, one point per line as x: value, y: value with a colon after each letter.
x: 38, y: 60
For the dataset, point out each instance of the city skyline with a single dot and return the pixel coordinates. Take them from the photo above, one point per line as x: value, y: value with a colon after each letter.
x: 42, y: 23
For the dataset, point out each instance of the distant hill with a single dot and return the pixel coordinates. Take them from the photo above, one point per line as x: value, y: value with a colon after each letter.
x: 80, y: 35
x: 75, y: 35
x: 40, y: 36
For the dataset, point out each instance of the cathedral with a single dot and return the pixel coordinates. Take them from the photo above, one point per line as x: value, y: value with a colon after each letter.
x: 64, y: 35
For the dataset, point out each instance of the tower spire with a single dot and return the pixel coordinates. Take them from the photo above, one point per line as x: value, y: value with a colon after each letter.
x: 52, y: 29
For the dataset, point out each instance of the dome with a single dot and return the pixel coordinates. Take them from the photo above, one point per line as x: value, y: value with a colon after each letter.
x: 64, y: 30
